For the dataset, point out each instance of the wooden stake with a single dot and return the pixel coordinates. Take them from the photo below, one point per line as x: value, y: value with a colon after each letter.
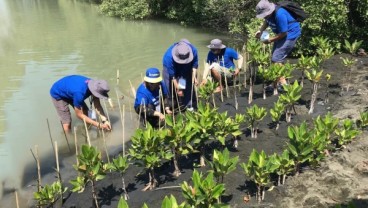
x: 107, y: 111
x: 172, y: 98
x: 87, y: 134
x: 161, y: 98
x: 16, y: 199
x: 196, y: 91
x: 76, y: 144
x: 105, y: 147
x: 177, y: 98
x: 66, y: 138
x: 226, y: 86
x: 235, y: 98
x: 57, y: 161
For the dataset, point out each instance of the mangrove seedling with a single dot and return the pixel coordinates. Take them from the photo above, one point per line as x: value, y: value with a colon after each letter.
x: 280, y: 70
x: 290, y: 97
x: 91, y: 169
x: 320, y: 143
x: 267, y: 76
x: 225, y: 125
x: 352, y: 47
x: 49, y: 194
x: 348, y: 63
x: 276, y: 112
x: 304, y: 64
x: 253, y: 47
x: 284, y: 164
x: 239, y: 119
x: 326, y: 124
x: 222, y: 164
x: 207, y: 90
x: 314, y: 75
x: 253, y: 116
x: 328, y: 78
x: 202, y: 123
x: 259, y: 168
x: 299, y: 145
x: 362, y: 122
x: 346, y: 133
x: 179, y: 138
x: 123, y: 204
x: 120, y: 165
x: 205, y: 192
x: 149, y: 152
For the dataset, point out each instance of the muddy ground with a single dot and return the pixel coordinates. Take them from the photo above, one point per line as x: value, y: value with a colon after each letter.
x: 341, y: 179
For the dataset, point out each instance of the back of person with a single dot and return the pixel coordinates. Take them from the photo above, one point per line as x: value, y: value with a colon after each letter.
x: 70, y: 87
x: 282, y: 21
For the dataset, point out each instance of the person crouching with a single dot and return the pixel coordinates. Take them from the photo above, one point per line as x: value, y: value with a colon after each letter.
x: 148, y: 102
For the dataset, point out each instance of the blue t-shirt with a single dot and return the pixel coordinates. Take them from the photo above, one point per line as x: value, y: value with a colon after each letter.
x: 73, y: 88
x: 179, y: 70
x: 146, y: 97
x: 225, y: 58
x: 282, y: 21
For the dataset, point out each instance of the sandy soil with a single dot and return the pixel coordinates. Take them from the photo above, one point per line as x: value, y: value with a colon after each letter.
x: 341, y: 178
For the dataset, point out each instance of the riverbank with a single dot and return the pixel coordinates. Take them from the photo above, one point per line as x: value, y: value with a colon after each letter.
x: 340, y: 179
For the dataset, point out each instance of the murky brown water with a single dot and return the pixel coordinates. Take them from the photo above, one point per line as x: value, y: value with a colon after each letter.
x: 41, y: 41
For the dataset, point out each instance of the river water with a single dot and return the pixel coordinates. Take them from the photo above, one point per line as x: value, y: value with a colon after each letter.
x: 44, y: 40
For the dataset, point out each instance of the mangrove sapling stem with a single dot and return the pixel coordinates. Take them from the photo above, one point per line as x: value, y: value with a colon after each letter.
x: 245, y: 69
x: 314, y: 97
x: 126, y: 196
x: 279, y: 180
x: 263, y: 193
x: 196, y: 92
x: 264, y: 90
x: 16, y: 199
x: 202, y: 158
x: 76, y: 145
x: 94, y: 195
x: 58, y: 169
x: 87, y: 134
x: 258, y: 195
x: 66, y: 137
x: 177, y: 171
x: 213, y: 100
x: 275, y: 92
x: 283, y: 179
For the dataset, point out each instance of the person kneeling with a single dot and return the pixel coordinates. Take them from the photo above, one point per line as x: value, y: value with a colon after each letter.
x: 148, y: 102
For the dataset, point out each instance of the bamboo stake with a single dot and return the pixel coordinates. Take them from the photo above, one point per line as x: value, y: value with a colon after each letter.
x: 76, y: 144
x: 196, y: 91
x: 16, y: 199
x: 161, y: 98
x: 123, y: 130
x: 87, y: 134
x: 172, y: 98
x: 245, y: 64
x: 226, y: 86
x: 107, y: 111
x: 145, y: 113
x: 221, y: 93
x: 35, y: 156
x: 122, y: 124
x: 192, y: 89
x: 117, y: 76
x: 57, y: 161
x: 66, y: 138
x: 235, y: 98
x: 177, y: 98
x: 134, y: 96
x: 105, y: 147
x: 139, y: 115
x: 48, y: 127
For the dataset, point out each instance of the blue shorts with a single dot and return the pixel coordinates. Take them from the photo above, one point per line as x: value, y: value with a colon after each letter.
x: 281, y: 49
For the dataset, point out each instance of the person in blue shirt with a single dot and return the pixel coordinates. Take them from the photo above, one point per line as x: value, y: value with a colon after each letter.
x: 73, y: 90
x: 284, y: 25
x: 180, y: 64
x: 220, y: 60
x: 148, y: 102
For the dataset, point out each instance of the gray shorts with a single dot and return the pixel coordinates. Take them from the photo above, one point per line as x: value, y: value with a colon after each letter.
x: 281, y: 49
x: 222, y: 70
x: 62, y: 109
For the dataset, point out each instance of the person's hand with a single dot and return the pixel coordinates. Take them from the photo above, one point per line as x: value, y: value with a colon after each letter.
x: 105, y: 126
x: 267, y: 41
x: 168, y: 111
x: 236, y: 72
x: 195, y: 81
x: 203, y: 82
x: 162, y: 117
x: 258, y: 34
x: 180, y: 93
